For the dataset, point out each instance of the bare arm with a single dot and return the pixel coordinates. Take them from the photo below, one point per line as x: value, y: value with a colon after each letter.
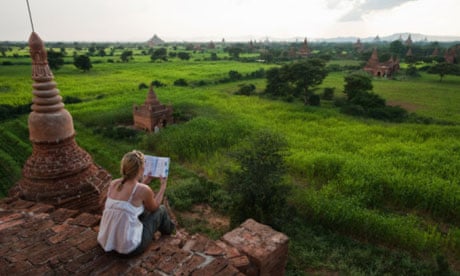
x: 152, y: 201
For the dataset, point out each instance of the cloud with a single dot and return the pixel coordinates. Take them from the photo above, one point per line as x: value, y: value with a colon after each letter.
x: 368, y: 6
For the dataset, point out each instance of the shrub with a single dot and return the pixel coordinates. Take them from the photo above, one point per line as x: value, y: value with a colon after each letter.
x: 234, y: 75
x: 388, y: 113
x: 142, y: 86
x: 367, y: 100
x: 246, y: 89
x: 158, y: 83
x: 257, y: 188
x: 314, y: 100
x: 328, y: 93
x: 180, y: 82
x: 71, y: 100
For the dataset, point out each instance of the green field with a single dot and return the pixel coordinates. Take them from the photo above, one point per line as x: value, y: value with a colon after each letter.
x: 371, y: 197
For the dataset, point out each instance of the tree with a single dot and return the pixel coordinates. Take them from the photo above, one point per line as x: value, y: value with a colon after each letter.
x: 305, y: 75
x: 160, y: 53
x: 257, y: 187
x: 126, y: 56
x: 235, y: 52
x: 355, y: 83
x: 183, y: 55
x: 55, y: 59
x: 397, y: 48
x: 82, y: 62
x: 444, y: 68
x: 296, y: 79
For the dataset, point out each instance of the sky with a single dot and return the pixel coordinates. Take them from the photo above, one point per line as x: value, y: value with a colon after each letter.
x: 213, y: 20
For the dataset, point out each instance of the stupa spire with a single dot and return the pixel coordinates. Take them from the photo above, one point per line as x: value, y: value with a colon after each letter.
x: 58, y: 172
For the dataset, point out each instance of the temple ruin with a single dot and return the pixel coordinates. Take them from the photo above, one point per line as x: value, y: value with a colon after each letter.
x: 304, y: 51
x: 152, y: 113
x: 58, y: 172
x: 381, y: 69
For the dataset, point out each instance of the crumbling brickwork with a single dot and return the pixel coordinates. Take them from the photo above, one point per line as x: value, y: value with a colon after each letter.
x: 152, y: 114
x: 58, y: 172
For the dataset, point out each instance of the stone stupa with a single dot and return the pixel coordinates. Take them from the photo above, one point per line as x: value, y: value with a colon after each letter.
x: 58, y: 172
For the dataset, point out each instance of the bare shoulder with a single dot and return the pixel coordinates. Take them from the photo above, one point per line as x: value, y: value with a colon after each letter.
x: 143, y: 187
x: 114, y: 183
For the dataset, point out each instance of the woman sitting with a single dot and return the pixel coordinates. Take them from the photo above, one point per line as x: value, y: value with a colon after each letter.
x: 133, y: 212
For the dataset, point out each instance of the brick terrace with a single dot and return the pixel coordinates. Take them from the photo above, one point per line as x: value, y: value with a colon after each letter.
x: 37, y: 238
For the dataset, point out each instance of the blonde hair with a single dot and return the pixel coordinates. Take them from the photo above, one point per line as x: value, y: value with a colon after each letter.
x: 131, y: 163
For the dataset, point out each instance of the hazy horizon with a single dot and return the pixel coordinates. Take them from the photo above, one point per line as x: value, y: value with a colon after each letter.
x: 204, y: 20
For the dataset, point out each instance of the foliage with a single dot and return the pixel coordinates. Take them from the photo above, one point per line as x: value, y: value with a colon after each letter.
x: 55, y: 59
x: 158, y: 83
x: 126, y: 56
x: 257, y: 188
x: 328, y: 93
x: 246, y: 89
x: 444, y: 68
x: 159, y: 54
x: 296, y: 79
x: 357, y: 182
x: 412, y: 71
x: 82, y: 62
x: 361, y: 102
x: 183, y: 55
x: 180, y: 82
x: 355, y: 83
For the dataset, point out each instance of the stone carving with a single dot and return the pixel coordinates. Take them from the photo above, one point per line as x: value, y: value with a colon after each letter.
x: 58, y: 172
x: 152, y: 114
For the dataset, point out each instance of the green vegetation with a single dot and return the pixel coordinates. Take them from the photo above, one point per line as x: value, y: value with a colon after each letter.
x: 367, y: 196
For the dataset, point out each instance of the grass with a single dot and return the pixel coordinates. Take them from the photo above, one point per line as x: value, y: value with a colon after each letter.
x: 362, y: 186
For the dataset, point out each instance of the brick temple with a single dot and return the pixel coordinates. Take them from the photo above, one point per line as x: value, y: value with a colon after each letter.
x: 152, y: 113
x: 58, y: 172
x: 381, y: 69
x: 50, y: 221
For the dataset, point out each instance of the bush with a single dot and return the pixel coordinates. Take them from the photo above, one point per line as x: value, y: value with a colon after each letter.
x: 353, y: 109
x: 157, y: 83
x: 71, y: 100
x: 246, y: 89
x: 367, y: 100
x: 180, y: 82
x: 314, y: 100
x: 7, y: 63
x: 142, y: 86
x: 388, y: 113
x: 257, y: 188
x: 328, y: 93
x: 234, y: 75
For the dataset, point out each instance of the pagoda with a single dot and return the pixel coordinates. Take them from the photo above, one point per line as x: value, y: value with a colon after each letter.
x: 58, y: 172
x: 152, y: 114
x: 381, y: 69
x: 304, y: 51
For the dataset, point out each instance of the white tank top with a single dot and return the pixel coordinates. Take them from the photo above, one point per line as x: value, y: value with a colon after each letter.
x: 120, y: 228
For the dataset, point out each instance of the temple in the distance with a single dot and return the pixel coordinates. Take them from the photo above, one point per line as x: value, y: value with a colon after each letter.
x: 381, y: 69
x: 152, y: 114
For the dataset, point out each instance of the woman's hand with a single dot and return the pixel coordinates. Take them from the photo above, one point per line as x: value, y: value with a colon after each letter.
x: 147, y: 179
x: 163, y: 180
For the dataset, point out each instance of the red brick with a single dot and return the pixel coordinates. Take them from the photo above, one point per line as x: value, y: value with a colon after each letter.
x: 9, y: 217
x: 190, y: 265
x: 212, y: 268
x: 87, y: 220
x: 41, y: 208
x: 10, y: 224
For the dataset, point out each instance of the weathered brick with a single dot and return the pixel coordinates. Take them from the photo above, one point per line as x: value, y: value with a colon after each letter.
x: 87, y: 220
x: 212, y: 268
x: 190, y: 265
